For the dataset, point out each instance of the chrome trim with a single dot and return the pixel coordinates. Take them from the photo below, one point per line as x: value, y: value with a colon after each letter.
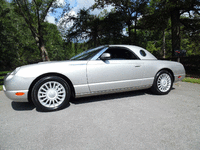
x: 120, y: 81
x: 119, y: 90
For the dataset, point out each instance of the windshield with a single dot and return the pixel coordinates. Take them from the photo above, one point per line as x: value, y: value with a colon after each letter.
x: 87, y: 55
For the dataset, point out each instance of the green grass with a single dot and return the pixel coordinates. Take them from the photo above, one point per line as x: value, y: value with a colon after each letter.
x: 2, y: 74
x: 1, y: 79
x: 191, y: 80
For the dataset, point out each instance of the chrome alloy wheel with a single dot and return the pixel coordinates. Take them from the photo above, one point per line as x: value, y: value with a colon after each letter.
x: 164, y: 82
x: 51, y: 94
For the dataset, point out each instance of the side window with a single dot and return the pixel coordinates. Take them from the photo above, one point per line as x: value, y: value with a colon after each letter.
x: 121, y: 54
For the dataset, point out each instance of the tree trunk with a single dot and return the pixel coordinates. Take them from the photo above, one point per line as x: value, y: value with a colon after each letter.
x: 175, y: 19
x: 75, y: 46
x: 164, y: 45
x: 135, y: 34
x: 129, y: 34
x: 95, y: 40
x: 43, y: 50
x: 44, y: 53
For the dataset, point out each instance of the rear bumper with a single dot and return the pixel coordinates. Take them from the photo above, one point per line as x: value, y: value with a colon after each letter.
x: 12, y: 95
x: 179, y: 77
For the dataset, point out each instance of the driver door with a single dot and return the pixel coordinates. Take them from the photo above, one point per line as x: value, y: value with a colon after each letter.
x: 123, y: 71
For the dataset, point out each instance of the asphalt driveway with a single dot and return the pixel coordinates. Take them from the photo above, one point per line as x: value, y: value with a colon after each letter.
x: 133, y: 120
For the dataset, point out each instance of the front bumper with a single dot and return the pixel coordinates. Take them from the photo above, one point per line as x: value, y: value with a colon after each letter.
x: 14, y: 84
x: 12, y: 95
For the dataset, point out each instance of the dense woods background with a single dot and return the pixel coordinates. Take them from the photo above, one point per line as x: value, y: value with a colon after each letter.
x: 160, y: 26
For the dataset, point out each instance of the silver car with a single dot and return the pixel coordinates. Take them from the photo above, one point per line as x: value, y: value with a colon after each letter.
x: 102, y: 70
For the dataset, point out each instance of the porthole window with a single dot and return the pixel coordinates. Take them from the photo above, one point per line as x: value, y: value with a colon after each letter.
x: 142, y: 52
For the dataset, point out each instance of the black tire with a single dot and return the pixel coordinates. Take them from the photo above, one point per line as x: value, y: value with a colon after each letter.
x: 50, y: 93
x: 163, y: 83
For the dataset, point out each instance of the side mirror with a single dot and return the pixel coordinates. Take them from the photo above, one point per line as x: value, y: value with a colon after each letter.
x: 105, y: 56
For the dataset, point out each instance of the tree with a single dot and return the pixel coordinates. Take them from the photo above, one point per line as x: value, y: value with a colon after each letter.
x: 86, y: 27
x: 112, y: 25
x: 163, y: 10
x: 191, y: 34
x: 16, y: 43
x: 106, y: 28
x: 53, y: 42
x: 130, y: 11
x: 34, y: 13
x: 5, y: 42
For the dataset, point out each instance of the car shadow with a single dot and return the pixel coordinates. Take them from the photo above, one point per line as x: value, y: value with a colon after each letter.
x: 27, y: 106
x: 106, y: 97
x: 47, y: 111
x: 22, y: 106
x: 112, y: 96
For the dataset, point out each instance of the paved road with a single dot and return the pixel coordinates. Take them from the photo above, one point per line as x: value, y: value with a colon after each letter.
x: 133, y: 120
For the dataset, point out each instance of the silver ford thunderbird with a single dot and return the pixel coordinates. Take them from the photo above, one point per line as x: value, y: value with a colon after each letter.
x: 102, y: 70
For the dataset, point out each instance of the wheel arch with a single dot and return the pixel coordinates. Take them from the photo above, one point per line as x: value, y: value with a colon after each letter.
x: 51, y: 74
x: 169, y: 70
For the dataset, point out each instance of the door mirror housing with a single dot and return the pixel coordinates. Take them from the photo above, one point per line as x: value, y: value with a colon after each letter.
x: 105, y: 56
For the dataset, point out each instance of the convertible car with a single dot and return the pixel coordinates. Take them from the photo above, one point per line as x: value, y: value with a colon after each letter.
x: 102, y: 70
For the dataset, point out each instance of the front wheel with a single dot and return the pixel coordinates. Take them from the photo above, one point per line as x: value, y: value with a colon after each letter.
x: 162, y: 83
x: 51, y: 93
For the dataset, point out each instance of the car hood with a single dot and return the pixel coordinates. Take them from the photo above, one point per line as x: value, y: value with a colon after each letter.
x: 66, y: 62
x: 51, y: 67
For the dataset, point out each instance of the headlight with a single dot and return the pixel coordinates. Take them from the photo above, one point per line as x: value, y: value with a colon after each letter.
x: 15, y: 71
x: 12, y: 74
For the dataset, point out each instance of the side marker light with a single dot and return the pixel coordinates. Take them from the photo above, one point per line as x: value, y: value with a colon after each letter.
x: 19, y: 94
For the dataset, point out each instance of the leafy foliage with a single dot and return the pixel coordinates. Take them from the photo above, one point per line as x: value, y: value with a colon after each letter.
x: 34, y: 13
x: 161, y: 11
x: 17, y: 44
x: 129, y: 10
x: 160, y: 26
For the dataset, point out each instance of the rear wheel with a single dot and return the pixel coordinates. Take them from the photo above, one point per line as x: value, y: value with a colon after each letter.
x: 162, y: 83
x: 51, y: 93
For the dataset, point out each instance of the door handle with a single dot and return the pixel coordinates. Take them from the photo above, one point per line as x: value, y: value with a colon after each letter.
x: 138, y: 66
